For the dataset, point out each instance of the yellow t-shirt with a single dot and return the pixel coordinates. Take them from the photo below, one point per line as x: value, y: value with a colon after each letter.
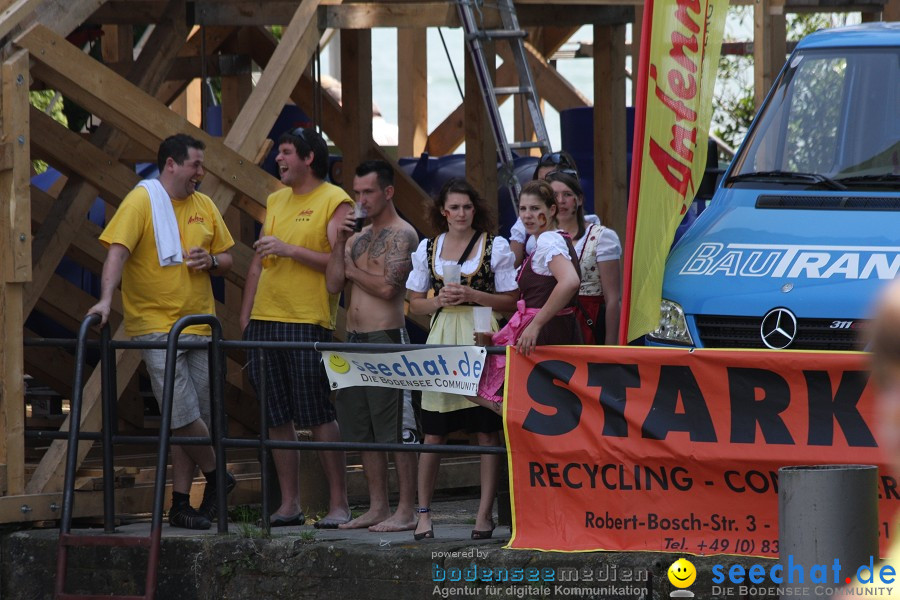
x: 154, y: 296
x: 290, y: 291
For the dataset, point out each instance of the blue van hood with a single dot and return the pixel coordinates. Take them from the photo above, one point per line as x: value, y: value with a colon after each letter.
x: 741, y: 260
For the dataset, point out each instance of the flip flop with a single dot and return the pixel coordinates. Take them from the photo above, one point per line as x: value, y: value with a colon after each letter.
x: 277, y: 520
x: 330, y: 523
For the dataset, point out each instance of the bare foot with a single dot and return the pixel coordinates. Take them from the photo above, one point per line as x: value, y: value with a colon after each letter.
x: 395, y: 523
x: 366, y: 519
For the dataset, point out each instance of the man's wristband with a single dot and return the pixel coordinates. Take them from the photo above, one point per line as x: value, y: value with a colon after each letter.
x: 214, y: 262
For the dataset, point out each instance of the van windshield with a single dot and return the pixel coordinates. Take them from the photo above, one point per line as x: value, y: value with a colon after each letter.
x: 834, y: 117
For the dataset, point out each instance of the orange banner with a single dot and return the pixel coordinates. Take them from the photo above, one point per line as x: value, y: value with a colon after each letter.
x: 674, y: 450
x: 680, y: 45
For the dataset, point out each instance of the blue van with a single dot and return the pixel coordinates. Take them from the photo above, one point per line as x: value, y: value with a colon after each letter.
x: 804, y: 227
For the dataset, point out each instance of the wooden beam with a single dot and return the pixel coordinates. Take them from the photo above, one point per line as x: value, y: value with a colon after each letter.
x: 412, y: 91
x: 16, y: 140
x: 14, y: 13
x: 769, y: 46
x: 116, y: 45
x: 54, y: 237
x: 419, y: 15
x: 891, y: 11
x: 122, y: 105
x: 356, y: 108
x: 610, y: 185
x: 215, y: 37
x: 65, y: 16
x: 290, y: 58
x: 15, y: 235
x: 481, y: 148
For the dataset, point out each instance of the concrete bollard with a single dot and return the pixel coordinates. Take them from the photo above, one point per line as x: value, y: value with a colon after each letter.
x: 827, y: 512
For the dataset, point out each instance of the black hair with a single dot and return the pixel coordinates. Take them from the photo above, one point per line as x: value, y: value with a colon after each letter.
x: 307, y: 141
x: 571, y: 181
x: 382, y: 169
x: 481, y: 221
x: 176, y: 147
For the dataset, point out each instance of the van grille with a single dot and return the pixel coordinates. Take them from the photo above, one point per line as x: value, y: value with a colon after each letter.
x: 743, y: 332
x: 831, y: 202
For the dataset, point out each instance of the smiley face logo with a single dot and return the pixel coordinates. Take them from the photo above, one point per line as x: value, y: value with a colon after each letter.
x: 338, y: 364
x: 682, y: 573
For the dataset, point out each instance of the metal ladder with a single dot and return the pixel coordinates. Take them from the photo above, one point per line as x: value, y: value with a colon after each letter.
x: 511, y: 32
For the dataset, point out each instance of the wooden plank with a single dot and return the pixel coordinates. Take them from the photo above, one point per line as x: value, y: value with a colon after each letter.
x: 12, y: 387
x: 15, y: 238
x: 481, y: 148
x: 891, y: 11
x: 52, y: 367
x: 148, y: 71
x: 215, y: 37
x: 140, y: 116
x: 116, y: 45
x: 356, y: 84
x: 610, y: 185
x: 402, y: 16
x: 16, y: 138
x: 769, y: 47
x: 412, y: 91
x: 14, y: 13
x: 64, y: 16
x: 287, y: 63
x: 48, y: 476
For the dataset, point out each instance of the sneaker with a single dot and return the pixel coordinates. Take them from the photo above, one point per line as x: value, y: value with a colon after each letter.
x: 209, y: 507
x: 185, y: 516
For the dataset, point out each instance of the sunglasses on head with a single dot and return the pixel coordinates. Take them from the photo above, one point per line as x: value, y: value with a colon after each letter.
x: 570, y: 172
x: 554, y: 158
x: 300, y: 133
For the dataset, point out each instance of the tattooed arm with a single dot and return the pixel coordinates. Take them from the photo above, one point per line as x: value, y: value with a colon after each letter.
x: 396, y: 246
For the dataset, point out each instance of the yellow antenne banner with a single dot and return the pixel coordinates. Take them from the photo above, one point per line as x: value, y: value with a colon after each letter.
x: 680, y: 46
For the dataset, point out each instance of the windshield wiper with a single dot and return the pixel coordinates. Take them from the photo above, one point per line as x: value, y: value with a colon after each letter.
x: 816, y: 178
x: 890, y: 179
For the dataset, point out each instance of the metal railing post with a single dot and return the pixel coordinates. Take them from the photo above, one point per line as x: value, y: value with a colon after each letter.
x: 827, y: 513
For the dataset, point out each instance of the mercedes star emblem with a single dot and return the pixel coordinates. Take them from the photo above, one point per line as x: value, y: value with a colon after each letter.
x: 778, y: 328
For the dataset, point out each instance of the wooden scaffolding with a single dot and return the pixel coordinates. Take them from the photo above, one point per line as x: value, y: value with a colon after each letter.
x: 141, y: 93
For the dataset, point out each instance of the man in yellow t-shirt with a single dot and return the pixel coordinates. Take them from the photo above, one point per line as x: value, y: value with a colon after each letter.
x: 286, y: 300
x: 156, y: 296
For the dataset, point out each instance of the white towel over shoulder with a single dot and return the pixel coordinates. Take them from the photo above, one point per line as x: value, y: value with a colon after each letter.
x: 165, y: 226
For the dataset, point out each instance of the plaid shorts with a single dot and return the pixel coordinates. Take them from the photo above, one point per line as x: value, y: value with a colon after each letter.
x: 191, y: 399
x: 296, y: 383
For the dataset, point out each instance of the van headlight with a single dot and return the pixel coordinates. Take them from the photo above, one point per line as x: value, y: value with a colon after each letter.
x: 672, y: 325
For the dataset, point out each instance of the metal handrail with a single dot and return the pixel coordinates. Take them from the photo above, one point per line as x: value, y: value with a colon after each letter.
x: 218, y: 434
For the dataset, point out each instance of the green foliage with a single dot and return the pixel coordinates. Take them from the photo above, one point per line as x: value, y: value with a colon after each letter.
x: 49, y: 102
x: 733, y: 105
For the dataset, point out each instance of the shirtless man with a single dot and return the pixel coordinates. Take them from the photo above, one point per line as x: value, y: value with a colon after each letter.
x: 376, y: 262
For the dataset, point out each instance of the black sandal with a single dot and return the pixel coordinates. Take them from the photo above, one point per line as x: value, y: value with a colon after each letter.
x: 425, y: 535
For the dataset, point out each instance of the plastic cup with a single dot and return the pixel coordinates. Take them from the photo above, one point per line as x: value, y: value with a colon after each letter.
x: 451, y: 273
x: 482, y: 318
